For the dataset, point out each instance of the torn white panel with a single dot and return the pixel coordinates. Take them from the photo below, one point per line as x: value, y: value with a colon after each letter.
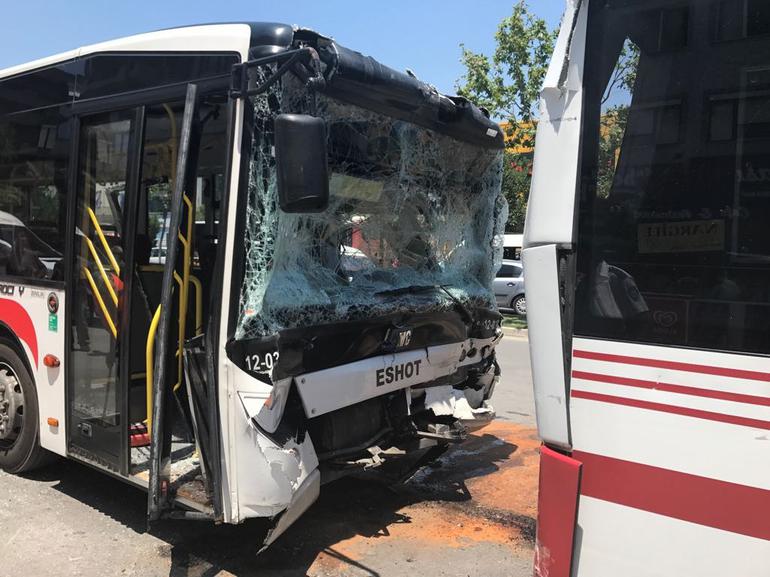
x: 473, y: 418
x: 265, y: 475
x: 252, y: 403
x: 546, y: 344
x: 445, y: 400
x: 445, y: 359
x: 271, y: 412
x: 305, y: 496
x: 440, y: 400
x: 560, y: 56
x: 269, y: 475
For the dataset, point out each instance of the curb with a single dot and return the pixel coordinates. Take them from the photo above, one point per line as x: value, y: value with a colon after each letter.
x: 522, y: 334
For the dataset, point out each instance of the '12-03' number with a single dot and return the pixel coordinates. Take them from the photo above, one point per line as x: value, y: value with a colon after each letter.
x: 260, y: 364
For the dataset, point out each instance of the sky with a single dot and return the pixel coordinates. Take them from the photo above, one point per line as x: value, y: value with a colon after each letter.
x: 422, y: 35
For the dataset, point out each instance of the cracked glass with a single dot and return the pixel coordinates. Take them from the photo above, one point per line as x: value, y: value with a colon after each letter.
x: 415, y: 223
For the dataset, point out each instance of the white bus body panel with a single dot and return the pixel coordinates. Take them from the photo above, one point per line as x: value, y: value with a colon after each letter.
x: 613, y: 540
x: 663, y: 437
x: 546, y: 344
x: 206, y: 38
x: 50, y: 380
x: 551, y: 206
x: 228, y: 399
x: 41, y: 333
x: 687, y: 420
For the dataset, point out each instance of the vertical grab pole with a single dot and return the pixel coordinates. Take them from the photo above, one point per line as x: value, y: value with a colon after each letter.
x: 159, y: 441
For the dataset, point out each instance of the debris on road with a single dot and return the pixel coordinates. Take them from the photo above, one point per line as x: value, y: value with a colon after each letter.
x: 472, y: 513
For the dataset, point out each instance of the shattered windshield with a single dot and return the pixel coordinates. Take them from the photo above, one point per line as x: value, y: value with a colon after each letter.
x: 414, y: 224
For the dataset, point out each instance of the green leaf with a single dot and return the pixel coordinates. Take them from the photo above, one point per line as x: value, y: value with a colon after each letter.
x: 508, y: 85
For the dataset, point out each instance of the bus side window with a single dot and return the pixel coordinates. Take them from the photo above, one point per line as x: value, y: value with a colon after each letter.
x: 34, y: 150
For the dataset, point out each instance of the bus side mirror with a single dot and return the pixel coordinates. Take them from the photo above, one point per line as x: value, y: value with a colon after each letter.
x: 300, y: 160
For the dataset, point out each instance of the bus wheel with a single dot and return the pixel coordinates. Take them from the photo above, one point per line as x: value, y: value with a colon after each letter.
x: 20, y: 449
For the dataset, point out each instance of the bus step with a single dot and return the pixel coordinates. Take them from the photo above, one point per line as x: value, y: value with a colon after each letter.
x: 138, y: 435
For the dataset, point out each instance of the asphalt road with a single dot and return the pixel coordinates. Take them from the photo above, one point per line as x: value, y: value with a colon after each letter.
x: 471, y: 515
x: 514, y: 398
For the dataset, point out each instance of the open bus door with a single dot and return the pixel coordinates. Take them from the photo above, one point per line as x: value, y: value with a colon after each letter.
x: 165, y: 380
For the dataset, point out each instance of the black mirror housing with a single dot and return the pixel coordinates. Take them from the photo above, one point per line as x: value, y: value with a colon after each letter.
x: 300, y: 160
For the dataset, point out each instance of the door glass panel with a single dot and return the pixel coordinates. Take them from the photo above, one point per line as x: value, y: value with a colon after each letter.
x: 98, y: 270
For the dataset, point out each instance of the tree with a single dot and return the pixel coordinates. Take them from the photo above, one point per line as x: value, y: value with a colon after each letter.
x: 616, y: 103
x: 517, y: 176
x: 508, y: 84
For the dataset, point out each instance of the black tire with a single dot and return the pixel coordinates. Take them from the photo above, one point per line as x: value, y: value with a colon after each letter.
x: 20, y: 449
x: 519, y: 305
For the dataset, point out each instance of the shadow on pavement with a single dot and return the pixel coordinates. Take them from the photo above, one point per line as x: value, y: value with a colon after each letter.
x: 346, y: 509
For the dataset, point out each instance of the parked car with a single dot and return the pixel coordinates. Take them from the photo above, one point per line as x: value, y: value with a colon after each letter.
x: 509, y: 287
x: 22, y: 252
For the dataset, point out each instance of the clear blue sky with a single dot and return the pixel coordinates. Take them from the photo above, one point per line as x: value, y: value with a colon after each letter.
x: 423, y: 35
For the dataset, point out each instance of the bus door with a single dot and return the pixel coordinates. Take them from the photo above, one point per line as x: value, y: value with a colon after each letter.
x: 126, y: 168
x: 97, y: 432
x: 125, y: 174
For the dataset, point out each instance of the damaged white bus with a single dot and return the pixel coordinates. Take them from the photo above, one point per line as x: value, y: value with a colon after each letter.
x: 242, y: 261
x: 648, y: 291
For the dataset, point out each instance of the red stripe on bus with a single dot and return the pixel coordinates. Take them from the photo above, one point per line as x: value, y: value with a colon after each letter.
x: 684, y: 390
x: 702, y: 500
x: 663, y: 408
x: 19, y: 321
x: 673, y: 365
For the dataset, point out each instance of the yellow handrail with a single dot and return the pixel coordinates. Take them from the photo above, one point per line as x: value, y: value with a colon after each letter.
x: 98, y: 297
x: 102, y: 272
x: 150, y: 348
x: 149, y: 358
x: 186, y: 241
x: 198, y: 304
x: 149, y: 354
x: 194, y: 280
x: 102, y: 238
x: 183, y: 282
x: 182, y: 288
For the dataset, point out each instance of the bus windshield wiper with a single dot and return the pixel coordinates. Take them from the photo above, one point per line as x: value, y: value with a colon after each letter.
x: 415, y: 289
x: 466, y: 313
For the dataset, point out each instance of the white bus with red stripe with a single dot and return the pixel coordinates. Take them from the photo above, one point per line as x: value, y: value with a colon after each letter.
x: 214, y: 282
x: 647, y: 251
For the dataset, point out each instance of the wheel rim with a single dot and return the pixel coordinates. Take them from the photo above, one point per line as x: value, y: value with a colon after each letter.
x: 11, y: 406
x: 520, y: 306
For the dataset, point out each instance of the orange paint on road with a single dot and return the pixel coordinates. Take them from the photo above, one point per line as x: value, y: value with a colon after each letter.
x: 513, y: 487
x: 484, y: 492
